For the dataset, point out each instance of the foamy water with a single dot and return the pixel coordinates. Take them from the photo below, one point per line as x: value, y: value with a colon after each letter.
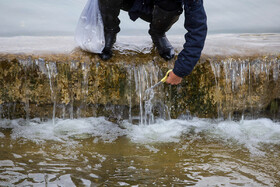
x: 249, y: 133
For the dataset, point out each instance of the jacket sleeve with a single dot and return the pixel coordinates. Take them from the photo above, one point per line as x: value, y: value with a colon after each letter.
x: 196, y: 25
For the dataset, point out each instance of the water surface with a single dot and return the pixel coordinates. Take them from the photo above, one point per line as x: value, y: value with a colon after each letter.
x: 94, y: 151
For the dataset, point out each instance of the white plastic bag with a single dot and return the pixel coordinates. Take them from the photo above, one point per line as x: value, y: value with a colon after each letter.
x: 90, y: 32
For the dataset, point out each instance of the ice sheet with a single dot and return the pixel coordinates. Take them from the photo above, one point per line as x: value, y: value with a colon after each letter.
x: 219, y: 44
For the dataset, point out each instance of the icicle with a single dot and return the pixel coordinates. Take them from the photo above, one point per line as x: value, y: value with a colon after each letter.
x: 130, y: 93
x: 149, y: 116
x: 242, y: 67
x: 52, y: 72
x: 63, y: 111
x: 1, y: 111
x: 27, y: 110
x: 71, y: 110
x: 140, y: 96
x: 42, y: 66
x: 216, y: 70
x: 26, y: 63
x: 167, y: 112
x: 85, y: 70
x: 276, y: 64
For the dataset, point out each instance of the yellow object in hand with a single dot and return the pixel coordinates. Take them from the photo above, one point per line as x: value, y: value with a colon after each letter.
x: 166, y: 75
x: 162, y: 80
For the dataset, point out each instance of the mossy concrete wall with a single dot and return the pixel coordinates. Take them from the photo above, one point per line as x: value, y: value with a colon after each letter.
x: 81, y: 85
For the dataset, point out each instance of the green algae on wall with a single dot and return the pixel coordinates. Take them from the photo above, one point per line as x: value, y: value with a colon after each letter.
x: 81, y: 85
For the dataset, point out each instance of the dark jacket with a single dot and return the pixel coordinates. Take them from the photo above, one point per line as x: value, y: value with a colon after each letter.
x: 196, y: 25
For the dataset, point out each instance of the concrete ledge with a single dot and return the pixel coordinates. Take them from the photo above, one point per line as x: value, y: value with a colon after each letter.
x: 45, y: 81
x: 220, y: 44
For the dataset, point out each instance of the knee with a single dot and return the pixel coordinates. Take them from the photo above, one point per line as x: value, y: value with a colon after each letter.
x: 169, y: 5
x: 110, y: 4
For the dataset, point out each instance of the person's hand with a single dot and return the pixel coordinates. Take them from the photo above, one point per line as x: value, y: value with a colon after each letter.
x: 173, y: 79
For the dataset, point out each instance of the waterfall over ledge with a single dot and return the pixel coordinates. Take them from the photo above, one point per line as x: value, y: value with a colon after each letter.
x: 48, y: 77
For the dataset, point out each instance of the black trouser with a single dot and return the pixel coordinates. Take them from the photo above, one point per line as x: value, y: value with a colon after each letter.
x: 112, y: 7
x: 168, y: 5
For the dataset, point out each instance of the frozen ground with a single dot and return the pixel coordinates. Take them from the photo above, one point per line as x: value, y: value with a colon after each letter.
x: 219, y: 44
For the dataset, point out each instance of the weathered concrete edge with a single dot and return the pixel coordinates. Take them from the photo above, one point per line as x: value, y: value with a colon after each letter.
x: 201, y: 106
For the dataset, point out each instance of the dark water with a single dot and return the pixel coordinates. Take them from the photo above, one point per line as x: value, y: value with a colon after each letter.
x: 94, y: 151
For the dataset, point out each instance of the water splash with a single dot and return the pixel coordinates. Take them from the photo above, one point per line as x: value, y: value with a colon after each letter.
x: 64, y: 130
x: 145, y: 77
x: 255, y: 135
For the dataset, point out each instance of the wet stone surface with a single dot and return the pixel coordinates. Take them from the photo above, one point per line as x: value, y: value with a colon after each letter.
x: 80, y: 85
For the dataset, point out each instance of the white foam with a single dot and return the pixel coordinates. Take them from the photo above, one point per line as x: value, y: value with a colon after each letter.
x: 64, y: 130
x: 249, y: 133
x: 162, y: 131
x: 2, y: 135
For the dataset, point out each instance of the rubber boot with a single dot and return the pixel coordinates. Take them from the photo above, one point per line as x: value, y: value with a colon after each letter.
x: 110, y: 10
x: 161, y: 23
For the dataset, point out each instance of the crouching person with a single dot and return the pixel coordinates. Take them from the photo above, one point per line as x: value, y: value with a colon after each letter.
x: 161, y: 14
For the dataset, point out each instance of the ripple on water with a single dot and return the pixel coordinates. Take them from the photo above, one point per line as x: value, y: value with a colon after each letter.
x: 94, y: 151
x: 5, y: 163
